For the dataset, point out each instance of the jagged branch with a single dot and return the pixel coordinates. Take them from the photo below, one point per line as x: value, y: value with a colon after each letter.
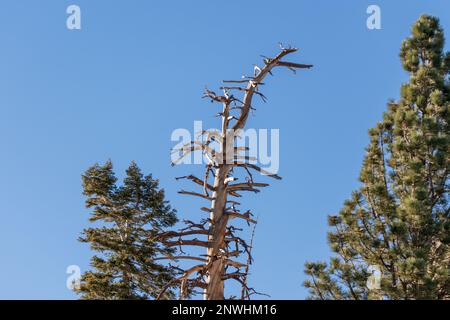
x: 195, y: 194
x: 248, y: 184
x: 263, y: 97
x: 245, y: 292
x: 246, y: 216
x: 192, y: 242
x: 247, y: 166
x: 198, y: 181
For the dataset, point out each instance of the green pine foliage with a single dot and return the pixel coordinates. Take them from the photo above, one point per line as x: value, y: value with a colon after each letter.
x: 398, y: 221
x: 127, y: 220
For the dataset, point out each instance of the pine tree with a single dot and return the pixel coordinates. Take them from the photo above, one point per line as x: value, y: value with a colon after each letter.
x: 397, y: 223
x: 128, y: 220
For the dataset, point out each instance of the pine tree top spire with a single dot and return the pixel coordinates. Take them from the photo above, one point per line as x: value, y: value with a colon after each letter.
x: 424, y: 46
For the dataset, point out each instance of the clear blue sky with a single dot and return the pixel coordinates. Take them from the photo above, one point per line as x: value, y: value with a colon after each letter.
x: 136, y: 71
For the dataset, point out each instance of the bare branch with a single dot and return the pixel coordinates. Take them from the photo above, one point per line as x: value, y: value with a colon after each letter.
x: 246, y: 189
x: 248, y: 184
x: 255, y: 167
x: 294, y: 65
x: 195, y: 194
x: 186, y: 274
x: 223, y: 241
x: 197, y: 181
x: 234, y: 264
x: 182, y: 242
x: 174, y: 234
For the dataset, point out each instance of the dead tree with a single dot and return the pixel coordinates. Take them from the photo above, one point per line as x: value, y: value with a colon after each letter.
x: 223, y: 246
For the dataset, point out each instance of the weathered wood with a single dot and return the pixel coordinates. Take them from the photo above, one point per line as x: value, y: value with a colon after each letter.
x: 196, y: 243
x: 189, y: 193
x: 173, y: 234
x: 245, y: 217
x: 175, y: 258
x: 222, y: 243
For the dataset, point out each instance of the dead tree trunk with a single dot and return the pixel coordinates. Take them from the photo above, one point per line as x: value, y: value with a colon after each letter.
x: 219, y: 147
